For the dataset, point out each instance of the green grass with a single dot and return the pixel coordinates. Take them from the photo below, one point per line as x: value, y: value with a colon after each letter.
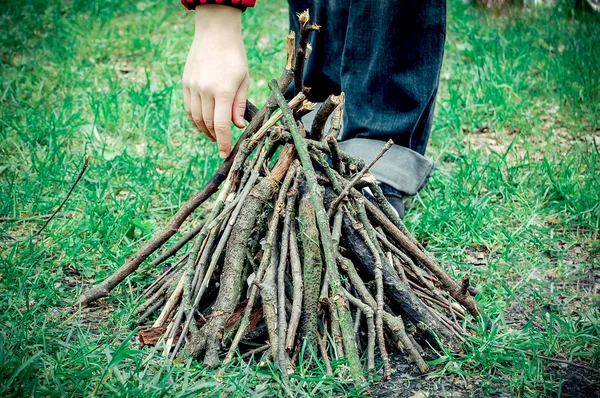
x: 515, y: 140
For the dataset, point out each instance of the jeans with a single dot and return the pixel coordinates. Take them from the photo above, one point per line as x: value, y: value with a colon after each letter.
x: 386, y: 56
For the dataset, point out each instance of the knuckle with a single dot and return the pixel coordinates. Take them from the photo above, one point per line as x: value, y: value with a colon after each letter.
x: 221, y: 126
x: 204, y: 87
x: 223, y: 92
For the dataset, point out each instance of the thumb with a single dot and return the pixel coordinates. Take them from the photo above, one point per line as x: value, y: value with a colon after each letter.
x: 239, y: 103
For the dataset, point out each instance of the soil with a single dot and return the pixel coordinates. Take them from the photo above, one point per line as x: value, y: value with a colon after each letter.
x: 406, y: 383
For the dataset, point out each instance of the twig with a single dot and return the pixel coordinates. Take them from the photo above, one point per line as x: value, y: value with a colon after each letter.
x: 285, y: 254
x: 337, y: 117
x: 301, y: 51
x: 286, y: 76
x: 546, y: 358
x: 150, y: 311
x: 393, y: 323
x: 336, y: 158
x: 175, y: 248
x: 336, y: 232
x: 328, y: 250
x: 298, y: 100
x: 296, y: 267
x: 262, y: 268
x: 371, y: 328
x: 361, y: 228
x: 255, y: 351
x: 170, y: 304
x: 40, y: 217
x: 81, y: 172
x: 318, y: 125
x: 324, y: 354
x: 214, y: 259
x: 357, y: 178
x: 131, y: 265
x: 357, y: 318
x: 283, y: 259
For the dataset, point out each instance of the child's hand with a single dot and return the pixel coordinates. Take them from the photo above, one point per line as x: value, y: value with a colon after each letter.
x: 215, y: 79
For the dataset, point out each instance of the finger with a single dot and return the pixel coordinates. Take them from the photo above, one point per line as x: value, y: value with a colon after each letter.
x: 187, y: 103
x: 196, y: 105
x: 239, y: 103
x: 208, y: 113
x: 222, y: 125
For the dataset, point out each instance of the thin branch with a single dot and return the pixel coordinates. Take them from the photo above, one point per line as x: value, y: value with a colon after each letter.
x: 81, y: 172
x: 357, y: 178
x: 546, y: 358
x: 328, y: 250
x: 301, y: 51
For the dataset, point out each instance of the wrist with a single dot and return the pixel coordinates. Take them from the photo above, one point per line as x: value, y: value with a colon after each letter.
x: 216, y: 17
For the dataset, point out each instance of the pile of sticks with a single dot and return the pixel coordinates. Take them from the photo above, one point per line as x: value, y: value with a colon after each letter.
x: 293, y: 251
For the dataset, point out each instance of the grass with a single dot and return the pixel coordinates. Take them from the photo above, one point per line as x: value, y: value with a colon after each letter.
x: 516, y: 191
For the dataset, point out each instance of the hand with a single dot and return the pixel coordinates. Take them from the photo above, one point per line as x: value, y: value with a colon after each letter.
x: 215, y: 78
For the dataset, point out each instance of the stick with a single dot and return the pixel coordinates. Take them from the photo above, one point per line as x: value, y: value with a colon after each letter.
x: 268, y: 294
x: 255, y: 351
x: 323, y: 224
x: 318, y: 125
x: 357, y: 177
x: 40, y: 217
x: 357, y: 317
x: 337, y: 117
x: 298, y: 100
x: 296, y: 281
x: 287, y: 76
x: 215, y: 258
x: 335, y: 237
x: 262, y: 268
x: 393, y: 323
x: 361, y: 228
x: 171, y: 302
x: 364, y: 308
x: 131, y: 265
x: 324, y: 355
x: 336, y: 158
x: 301, y: 56
x: 81, y: 172
x: 447, y: 282
x: 150, y: 311
x: 175, y: 248
x: 551, y: 359
x: 285, y: 251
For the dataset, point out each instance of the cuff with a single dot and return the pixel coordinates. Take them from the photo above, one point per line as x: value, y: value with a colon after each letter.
x: 400, y: 167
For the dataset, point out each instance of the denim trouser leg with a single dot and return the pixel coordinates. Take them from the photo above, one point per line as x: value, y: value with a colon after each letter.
x: 386, y: 56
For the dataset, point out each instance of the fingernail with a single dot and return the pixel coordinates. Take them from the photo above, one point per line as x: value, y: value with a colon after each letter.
x: 223, y: 155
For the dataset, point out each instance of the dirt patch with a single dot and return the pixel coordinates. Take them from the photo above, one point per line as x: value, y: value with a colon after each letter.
x: 407, y: 383
x: 576, y: 382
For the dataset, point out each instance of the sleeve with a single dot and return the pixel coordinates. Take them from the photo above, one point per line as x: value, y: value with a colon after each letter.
x: 241, y: 4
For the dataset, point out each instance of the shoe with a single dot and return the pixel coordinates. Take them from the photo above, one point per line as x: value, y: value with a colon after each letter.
x: 394, y: 198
